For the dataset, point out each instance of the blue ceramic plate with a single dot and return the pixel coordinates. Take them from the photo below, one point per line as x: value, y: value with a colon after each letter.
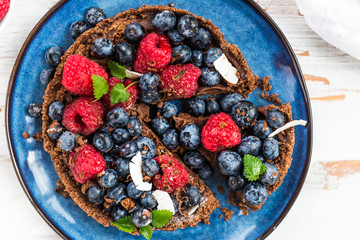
x: 268, y: 54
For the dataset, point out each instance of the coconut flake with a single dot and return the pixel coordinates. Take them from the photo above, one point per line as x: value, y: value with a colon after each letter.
x: 164, y: 201
x: 288, y: 125
x: 193, y: 209
x: 226, y: 69
x: 131, y: 74
x: 136, y: 174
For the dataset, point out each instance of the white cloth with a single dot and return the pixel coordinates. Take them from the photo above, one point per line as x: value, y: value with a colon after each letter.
x: 337, y: 22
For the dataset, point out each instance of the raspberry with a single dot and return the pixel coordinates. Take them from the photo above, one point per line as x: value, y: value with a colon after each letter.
x: 85, y: 163
x: 77, y: 75
x: 180, y: 80
x: 220, y: 131
x: 4, y: 8
x: 83, y: 115
x: 133, y: 90
x: 172, y: 174
x: 153, y: 55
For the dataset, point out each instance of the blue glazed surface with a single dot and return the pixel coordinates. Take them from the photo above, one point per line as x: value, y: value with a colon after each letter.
x: 266, y: 55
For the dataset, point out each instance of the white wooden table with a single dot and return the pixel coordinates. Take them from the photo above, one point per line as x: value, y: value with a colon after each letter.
x: 328, y: 206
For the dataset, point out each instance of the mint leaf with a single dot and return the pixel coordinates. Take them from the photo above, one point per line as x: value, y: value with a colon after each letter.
x: 119, y: 94
x: 116, y: 69
x: 161, y: 217
x: 125, y: 224
x: 101, y: 86
x: 253, y: 167
x: 146, y: 232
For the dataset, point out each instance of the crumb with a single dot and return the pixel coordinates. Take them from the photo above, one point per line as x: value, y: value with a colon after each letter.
x: 221, y: 189
x: 61, y: 192
x: 264, y: 84
x: 26, y: 135
x: 128, y: 204
x: 227, y: 213
x: 38, y: 137
x: 271, y: 98
x: 171, y: 4
x: 221, y: 216
x: 81, y: 140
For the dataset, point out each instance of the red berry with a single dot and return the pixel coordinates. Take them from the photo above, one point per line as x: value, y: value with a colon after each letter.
x: 4, y: 8
x: 172, y: 174
x: 77, y: 75
x: 85, y: 163
x: 180, y: 80
x: 220, y: 132
x: 133, y: 90
x: 153, y: 55
x: 83, y: 115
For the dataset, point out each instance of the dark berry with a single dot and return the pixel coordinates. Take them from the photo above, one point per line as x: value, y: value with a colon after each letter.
x: 46, y: 75
x: 230, y: 100
x: 94, y: 15
x: 109, y: 160
x: 117, y: 193
x: 134, y: 32
x: 190, y: 136
x: 132, y: 192
x: 134, y: 126
x: 175, y: 203
x: 164, y: 21
x: 211, y: 55
x: 77, y: 28
x: 171, y: 139
x: 106, y: 128
x: 118, y: 212
x: 261, y: 129
x: 34, y: 110
x: 160, y: 125
x: 122, y: 167
x: 55, y: 130
x: 188, y: 26
x: 103, y: 142
x: 194, y: 159
x: 67, y: 141
x: 56, y: 111
x: 271, y: 175
x: 181, y: 54
x: 197, y: 58
x: 209, y: 78
x: 128, y: 149
x: 149, y: 82
x: 117, y: 117
x: 109, y: 179
x: 125, y: 53
x: 244, y: 113
x: 192, y: 195
x: 270, y: 148
x: 212, y: 106
x: 202, y: 39
x: 141, y: 217
x: 102, y: 48
x: 229, y: 163
x: 95, y: 194
x: 236, y: 183
x: 53, y: 55
x: 175, y: 36
x: 148, y: 200
x: 195, y: 106
x: 168, y: 110
x: 115, y: 151
x: 205, y: 172
x: 121, y: 135
x: 150, y: 167
x: 249, y: 145
x: 275, y: 118
x: 146, y: 147
x: 255, y: 193
x: 150, y: 97
x: 261, y: 157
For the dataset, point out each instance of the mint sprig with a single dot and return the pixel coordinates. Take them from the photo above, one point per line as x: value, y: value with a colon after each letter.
x: 117, y: 70
x: 101, y: 87
x: 125, y: 224
x: 119, y: 93
x: 146, y: 231
x: 253, y: 167
x: 161, y: 217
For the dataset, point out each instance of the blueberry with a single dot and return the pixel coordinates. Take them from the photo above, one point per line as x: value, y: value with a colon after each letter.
x: 271, y: 175
x: 132, y: 192
x: 121, y: 135
x: 202, y: 39
x: 150, y: 167
x: 229, y: 163
x: 134, y: 126
x: 160, y: 125
x: 94, y: 15
x: 95, y: 194
x: 212, y: 106
x: 197, y: 58
x: 175, y: 36
x: 102, y: 142
x: 46, y: 75
x: 209, y: 78
x: 236, y: 183
x: 134, y: 32
x: 55, y: 130
x: 205, y: 172
x: 115, y: 151
x: 194, y: 159
x: 77, y: 28
x: 148, y: 200
x: 195, y: 106
x: 146, y: 146
x: 270, y: 148
x: 211, y: 55
x: 117, y: 193
x: 109, y: 179
x: 106, y: 128
x: 168, y: 110
x: 53, y: 55
x: 122, y: 167
x: 190, y: 136
x: 56, y: 111
x: 125, y: 53
x: 193, y: 196
x: 128, y: 149
x: 118, y: 212
x: 261, y: 129
x: 141, y: 217
x: 175, y: 203
x: 149, y: 82
x: 275, y: 118
x: 67, y: 141
x: 244, y: 113
x: 171, y: 139
x: 188, y: 26
x: 164, y: 21
x: 102, y: 48
x: 109, y: 160
x: 150, y: 97
x: 228, y: 101
x: 117, y: 117
x: 261, y: 157
x: 255, y: 193
x: 181, y: 54
x: 249, y: 145
x: 34, y: 110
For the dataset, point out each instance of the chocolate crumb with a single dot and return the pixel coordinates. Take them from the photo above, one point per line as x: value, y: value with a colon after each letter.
x: 227, y: 213
x: 38, y: 137
x: 26, y: 135
x: 171, y: 4
x: 264, y: 84
x: 221, y: 189
x: 61, y: 192
x: 128, y: 204
x: 221, y: 216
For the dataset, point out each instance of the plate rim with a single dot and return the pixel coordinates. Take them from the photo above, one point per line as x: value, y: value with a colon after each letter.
x: 260, y: 11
